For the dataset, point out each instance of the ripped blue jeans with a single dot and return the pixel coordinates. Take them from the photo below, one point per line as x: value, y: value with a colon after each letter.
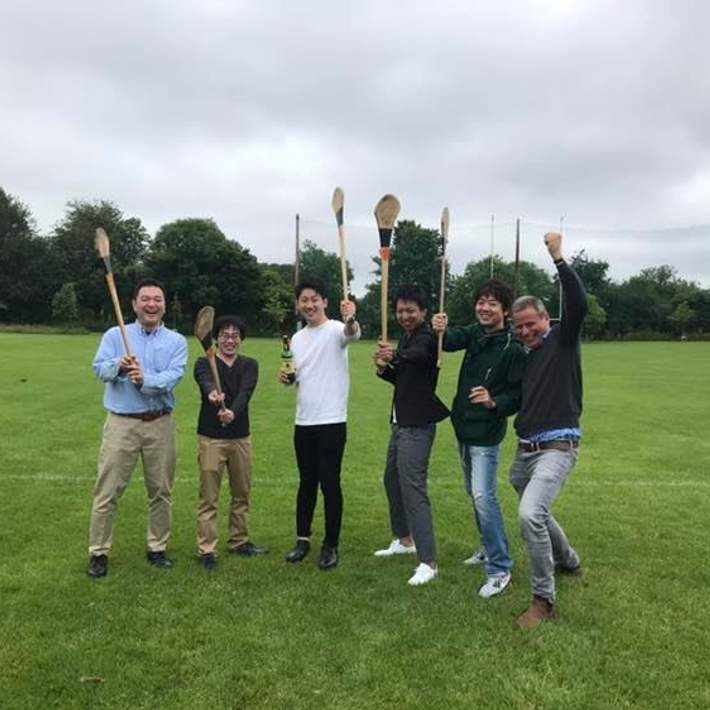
x: 480, y: 465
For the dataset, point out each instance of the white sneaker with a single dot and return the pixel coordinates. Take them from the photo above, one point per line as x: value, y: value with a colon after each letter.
x: 477, y: 558
x: 422, y: 575
x: 495, y: 584
x: 396, y: 548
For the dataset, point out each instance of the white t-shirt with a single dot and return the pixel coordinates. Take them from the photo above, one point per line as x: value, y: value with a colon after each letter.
x: 322, y: 376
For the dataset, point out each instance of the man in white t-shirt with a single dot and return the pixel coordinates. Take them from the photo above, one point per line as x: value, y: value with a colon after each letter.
x: 321, y: 359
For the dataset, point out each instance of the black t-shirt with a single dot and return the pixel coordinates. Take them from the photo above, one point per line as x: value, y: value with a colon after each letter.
x: 238, y: 383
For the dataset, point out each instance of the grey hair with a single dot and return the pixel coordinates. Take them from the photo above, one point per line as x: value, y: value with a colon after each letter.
x: 520, y: 304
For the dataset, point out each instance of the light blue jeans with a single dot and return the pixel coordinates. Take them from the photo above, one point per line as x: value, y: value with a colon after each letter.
x: 538, y: 477
x: 480, y: 464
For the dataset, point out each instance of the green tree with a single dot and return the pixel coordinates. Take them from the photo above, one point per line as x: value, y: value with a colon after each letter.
x: 277, y: 314
x: 593, y: 274
x: 64, y: 304
x: 682, y: 316
x: 27, y: 279
x: 76, y: 259
x: 595, y: 322
x: 194, y: 258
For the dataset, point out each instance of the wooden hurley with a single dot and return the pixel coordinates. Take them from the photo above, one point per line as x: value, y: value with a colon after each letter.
x: 104, y: 248
x: 386, y: 212
x: 337, y: 205
x: 442, y: 286
x: 204, y: 324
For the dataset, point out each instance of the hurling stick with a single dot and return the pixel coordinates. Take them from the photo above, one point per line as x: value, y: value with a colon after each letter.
x: 104, y: 249
x: 386, y: 212
x: 204, y: 323
x: 337, y: 205
x: 442, y: 286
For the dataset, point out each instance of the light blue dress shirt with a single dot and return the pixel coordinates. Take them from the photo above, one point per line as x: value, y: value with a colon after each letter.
x: 163, y: 356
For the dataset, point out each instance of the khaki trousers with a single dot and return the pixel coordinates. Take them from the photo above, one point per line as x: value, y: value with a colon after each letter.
x: 124, y: 439
x: 214, y: 455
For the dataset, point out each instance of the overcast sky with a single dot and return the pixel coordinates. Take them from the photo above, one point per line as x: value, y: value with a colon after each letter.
x: 249, y: 112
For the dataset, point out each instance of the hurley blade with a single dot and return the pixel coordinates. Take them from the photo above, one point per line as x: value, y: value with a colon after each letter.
x: 337, y: 204
x: 103, y: 247
x: 445, y: 226
x: 203, y: 326
x: 386, y: 212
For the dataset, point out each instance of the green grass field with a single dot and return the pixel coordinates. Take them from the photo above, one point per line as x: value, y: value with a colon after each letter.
x: 259, y: 633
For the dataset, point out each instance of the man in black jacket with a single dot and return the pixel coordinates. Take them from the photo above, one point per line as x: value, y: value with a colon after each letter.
x: 549, y: 431
x: 224, y: 441
x: 412, y: 369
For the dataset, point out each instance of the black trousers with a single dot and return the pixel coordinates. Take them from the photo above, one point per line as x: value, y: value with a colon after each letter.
x: 319, y: 453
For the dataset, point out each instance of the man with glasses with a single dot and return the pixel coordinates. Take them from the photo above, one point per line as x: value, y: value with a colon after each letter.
x: 225, y: 442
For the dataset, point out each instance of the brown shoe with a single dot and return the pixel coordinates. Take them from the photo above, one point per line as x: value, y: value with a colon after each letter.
x: 539, y: 610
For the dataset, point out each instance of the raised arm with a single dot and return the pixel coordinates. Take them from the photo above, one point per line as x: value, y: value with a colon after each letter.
x: 574, y: 299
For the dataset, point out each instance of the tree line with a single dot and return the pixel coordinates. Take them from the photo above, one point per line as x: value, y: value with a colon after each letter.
x: 58, y: 277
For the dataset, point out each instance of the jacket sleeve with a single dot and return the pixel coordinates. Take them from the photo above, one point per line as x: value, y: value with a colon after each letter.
x: 203, y: 375
x: 155, y: 383
x: 574, y: 301
x: 388, y: 374
x: 456, y: 339
x: 421, y: 349
x: 247, y: 385
x: 509, y: 398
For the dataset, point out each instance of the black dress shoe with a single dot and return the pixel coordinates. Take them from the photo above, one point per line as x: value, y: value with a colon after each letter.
x: 249, y: 549
x: 158, y: 559
x: 98, y: 566
x: 299, y: 553
x: 328, y: 557
x: 209, y: 561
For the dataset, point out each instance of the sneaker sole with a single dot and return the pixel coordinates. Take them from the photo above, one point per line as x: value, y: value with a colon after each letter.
x: 497, y: 594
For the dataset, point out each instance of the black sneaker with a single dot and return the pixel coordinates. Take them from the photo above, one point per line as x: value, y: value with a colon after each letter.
x: 209, y: 561
x: 299, y: 552
x: 98, y: 566
x: 158, y: 559
x: 249, y: 549
x: 328, y: 557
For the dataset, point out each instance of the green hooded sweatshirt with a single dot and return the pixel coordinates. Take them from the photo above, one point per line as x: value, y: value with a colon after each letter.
x: 495, y: 361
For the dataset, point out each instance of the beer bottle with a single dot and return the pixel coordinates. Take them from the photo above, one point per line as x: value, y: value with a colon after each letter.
x: 287, y: 367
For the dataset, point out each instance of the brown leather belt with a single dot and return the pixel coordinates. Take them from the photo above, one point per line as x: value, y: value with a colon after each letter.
x: 146, y: 416
x: 559, y: 444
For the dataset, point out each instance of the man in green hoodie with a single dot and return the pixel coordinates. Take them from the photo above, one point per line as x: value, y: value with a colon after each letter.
x: 488, y: 391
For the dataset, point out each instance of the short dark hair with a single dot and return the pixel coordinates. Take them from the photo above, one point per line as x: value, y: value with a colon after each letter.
x: 150, y: 282
x: 497, y: 289
x: 313, y: 283
x: 224, y: 322
x: 410, y: 292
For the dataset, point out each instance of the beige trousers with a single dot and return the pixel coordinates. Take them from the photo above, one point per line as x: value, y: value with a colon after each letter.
x: 124, y: 439
x: 214, y: 455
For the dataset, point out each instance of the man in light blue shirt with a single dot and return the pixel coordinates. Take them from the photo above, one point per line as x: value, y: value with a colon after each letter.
x: 138, y: 395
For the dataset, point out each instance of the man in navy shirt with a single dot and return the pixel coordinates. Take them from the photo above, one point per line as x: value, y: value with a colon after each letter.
x: 549, y: 431
x: 138, y: 395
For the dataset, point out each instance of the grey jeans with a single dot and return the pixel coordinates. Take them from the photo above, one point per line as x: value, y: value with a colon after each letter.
x: 406, y: 486
x: 538, y: 477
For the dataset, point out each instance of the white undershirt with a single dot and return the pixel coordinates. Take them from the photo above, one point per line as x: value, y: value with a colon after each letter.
x: 322, y: 376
